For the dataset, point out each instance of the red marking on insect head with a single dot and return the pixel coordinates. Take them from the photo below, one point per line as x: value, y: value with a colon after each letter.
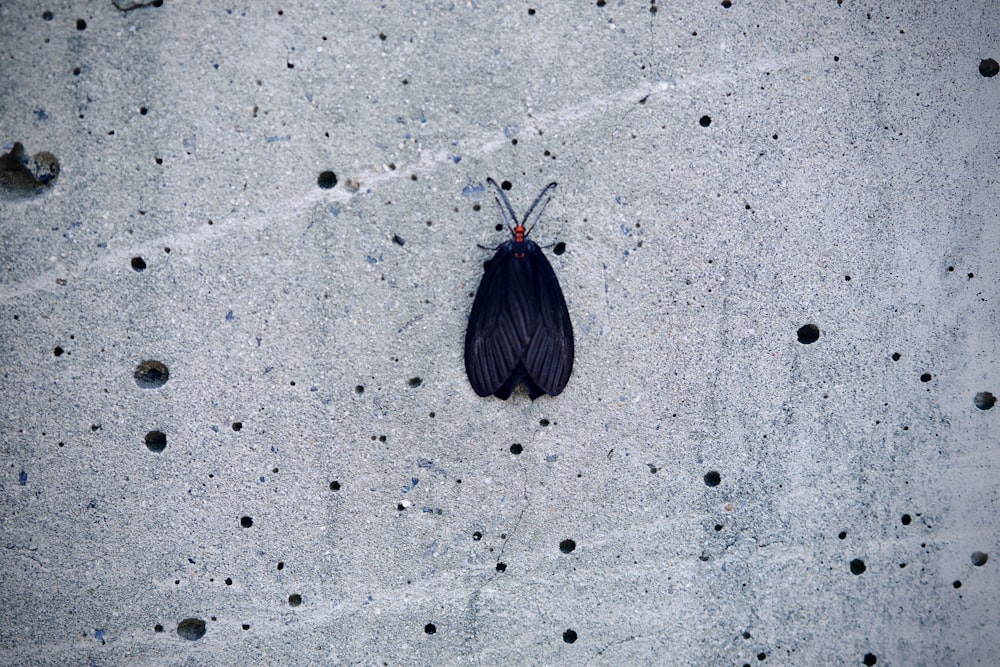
x: 519, y: 233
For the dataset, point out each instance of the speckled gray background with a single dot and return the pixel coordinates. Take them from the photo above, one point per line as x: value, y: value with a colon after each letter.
x: 728, y: 175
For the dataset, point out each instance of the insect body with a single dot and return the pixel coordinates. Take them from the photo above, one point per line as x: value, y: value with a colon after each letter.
x: 519, y: 329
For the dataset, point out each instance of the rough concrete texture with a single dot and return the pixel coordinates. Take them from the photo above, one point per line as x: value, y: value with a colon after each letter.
x: 316, y: 482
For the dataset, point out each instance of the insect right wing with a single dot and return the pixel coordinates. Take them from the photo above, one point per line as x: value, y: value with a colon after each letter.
x: 548, y: 357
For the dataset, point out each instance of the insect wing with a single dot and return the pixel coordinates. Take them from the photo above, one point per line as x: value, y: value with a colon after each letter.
x: 519, y: 326
x: 548, y: 359
x: 492, y: 346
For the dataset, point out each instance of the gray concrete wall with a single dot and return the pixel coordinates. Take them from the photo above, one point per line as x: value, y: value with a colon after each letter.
x: 316, y: 482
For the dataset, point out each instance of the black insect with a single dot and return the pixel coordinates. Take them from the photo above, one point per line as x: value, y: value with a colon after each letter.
x: 519, y: 330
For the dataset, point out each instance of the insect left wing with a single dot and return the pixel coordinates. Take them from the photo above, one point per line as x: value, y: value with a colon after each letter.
x: 494, y: 341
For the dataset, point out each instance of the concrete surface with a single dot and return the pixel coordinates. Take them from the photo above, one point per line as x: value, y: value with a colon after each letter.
x: 321, y: 485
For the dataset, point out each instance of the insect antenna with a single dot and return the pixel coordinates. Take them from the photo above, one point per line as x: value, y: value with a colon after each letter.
x: 505, y: 209
x: 548, y: 198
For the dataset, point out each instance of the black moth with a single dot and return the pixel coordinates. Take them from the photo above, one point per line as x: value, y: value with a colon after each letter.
x: 519, y: 329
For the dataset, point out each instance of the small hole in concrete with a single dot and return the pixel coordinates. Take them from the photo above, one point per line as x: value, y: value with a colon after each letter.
x: 430, y: 628
x: 294, y: 600
x: 808, y: 334
x: 569, y: 636
x: 906, y: 519
x: 869, y: 659
x: 246, y: 521
x: 713, y: 478
x: 156, y: 441
x: 705, y: 121
x: 984, y: 400
x: 858, y: 566
x: 138, y: 264
x: 979, y: 558
x: 150, y: 374
x: 926, y: 377
x: 335, y: 485
x: 567, y: 546
x: 516, y: 449
x: 326, y: 180
x: 989, y: 67
x: 191, y: 629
